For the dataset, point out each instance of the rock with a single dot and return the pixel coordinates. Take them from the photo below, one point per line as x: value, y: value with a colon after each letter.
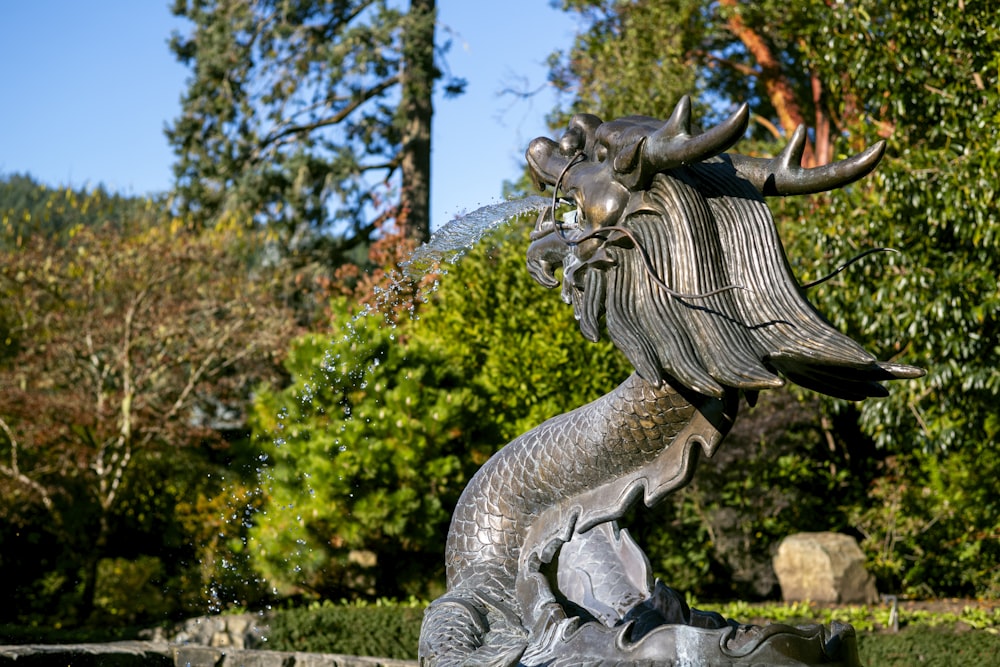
x: 237, y: 631
x: 823, y: 567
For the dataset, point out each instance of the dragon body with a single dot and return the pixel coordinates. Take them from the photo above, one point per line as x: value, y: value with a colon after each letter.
x: 504, y: 532
x: 673, y: 250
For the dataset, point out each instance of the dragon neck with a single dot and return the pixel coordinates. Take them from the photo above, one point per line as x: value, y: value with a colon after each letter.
x: 640, y: 441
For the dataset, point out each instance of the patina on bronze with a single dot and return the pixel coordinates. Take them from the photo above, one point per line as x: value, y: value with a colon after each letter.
x: 672, y: 247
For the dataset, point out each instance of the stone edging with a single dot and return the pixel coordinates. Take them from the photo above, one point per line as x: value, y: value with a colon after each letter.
x: 159, y: 654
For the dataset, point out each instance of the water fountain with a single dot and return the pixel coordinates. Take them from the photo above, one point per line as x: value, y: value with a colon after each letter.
x: 673, y: 250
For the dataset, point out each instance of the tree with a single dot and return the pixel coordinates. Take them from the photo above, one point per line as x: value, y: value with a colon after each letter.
x: 28, y: 207
x: 633, y: 58
x: 125, y: 351
x: 926, y: 78
x: 922, y: 76
x: 313, y: 117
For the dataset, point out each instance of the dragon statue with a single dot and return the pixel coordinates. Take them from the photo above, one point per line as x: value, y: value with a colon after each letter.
x: 673, y: 247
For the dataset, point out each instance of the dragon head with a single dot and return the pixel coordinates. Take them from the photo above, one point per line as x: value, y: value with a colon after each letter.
x: 605, y: 167
x: 672, y: 246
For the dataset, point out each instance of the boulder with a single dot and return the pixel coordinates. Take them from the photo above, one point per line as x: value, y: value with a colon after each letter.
x: 823, y: 567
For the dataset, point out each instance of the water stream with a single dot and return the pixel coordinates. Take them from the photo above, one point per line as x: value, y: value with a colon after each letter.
x: 460, y: 235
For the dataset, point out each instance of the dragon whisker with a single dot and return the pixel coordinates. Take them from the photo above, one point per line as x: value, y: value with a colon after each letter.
x: 846, y: 264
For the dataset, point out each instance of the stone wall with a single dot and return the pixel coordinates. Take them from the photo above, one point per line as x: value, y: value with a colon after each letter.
x: 237, y: 640
x: 161, y: 654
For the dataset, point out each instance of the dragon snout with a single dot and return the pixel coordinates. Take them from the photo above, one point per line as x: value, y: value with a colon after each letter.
x: 544, y: 162
x: 545, y: 255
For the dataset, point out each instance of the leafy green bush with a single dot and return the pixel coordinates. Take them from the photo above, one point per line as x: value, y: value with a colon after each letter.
x: 933, y: 649
x: 382, y: 426
x: 381, y: 630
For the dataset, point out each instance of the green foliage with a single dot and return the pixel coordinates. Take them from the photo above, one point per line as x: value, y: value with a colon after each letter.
x: 931, y: 525
x: 366, y: 454
x: 936, y: 648
x: 864, y: 618
x: 631, y: 59
x: 130, y: 590
x: 927, y: 77
x: 28, y: 208
x: 380, y: 630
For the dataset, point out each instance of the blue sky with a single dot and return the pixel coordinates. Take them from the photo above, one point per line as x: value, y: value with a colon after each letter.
x: 86, y: 89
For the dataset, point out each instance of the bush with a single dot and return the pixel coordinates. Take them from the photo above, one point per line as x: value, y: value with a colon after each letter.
x: 936, y: 648
x: 381, y: 630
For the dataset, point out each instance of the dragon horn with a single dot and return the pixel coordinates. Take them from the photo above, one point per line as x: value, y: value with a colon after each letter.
x: 785, y: 175
x: 673, y: 145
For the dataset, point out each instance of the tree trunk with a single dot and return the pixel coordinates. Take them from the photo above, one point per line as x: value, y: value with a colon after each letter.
x: 780, y: 90
x: 91, y: 560
x: 416, y: 110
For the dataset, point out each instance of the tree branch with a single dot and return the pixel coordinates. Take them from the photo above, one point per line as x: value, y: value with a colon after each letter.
x: 14, y: 472
x: 768, y: 125
x: 740, y: 68
x: 338, y: 117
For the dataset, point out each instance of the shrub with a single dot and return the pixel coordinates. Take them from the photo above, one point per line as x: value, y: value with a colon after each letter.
x: 382, y: 630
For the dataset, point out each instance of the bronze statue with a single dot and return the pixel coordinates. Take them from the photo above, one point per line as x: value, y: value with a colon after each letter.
x: 673, y: 247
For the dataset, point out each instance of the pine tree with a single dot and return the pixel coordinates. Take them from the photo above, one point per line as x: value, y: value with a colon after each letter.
x: 311, y: 116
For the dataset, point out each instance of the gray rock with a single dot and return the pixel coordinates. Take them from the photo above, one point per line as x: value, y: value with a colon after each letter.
x: 242, y: 631
x: 823, y: 567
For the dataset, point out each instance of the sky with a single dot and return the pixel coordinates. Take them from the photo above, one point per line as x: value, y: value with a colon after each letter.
x: 86, y: 89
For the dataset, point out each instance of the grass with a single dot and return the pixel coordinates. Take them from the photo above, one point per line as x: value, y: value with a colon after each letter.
x: 864, y: 618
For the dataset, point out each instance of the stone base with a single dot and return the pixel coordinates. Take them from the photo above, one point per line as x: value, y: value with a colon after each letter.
x: 774, y: 645
x: 157, y: 654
